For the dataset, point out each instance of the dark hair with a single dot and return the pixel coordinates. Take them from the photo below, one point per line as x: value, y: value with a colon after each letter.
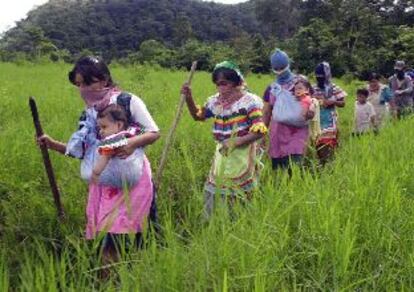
x: 227, y: 74
x: 115, y: 113
x: 91, y: 68
x: 362, y: 91
x: 374, y: 76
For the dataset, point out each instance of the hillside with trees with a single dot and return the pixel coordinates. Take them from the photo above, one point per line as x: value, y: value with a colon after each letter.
x: 115, y: 28
x: 354, y: 36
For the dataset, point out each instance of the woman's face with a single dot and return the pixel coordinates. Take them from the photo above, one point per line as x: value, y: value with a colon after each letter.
x: 224, y: 87
x: 95, y: 85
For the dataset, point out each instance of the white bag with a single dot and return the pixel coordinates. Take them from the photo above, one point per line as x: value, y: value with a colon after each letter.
x: 287, y: 109
x: 118, y: 172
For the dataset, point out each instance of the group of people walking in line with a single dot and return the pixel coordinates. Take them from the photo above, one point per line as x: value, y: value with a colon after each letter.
x: 116, y: 126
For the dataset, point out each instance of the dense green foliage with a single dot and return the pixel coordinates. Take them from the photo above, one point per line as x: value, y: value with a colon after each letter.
x: 345, y: 227
x: 115, y: 28
x: 357, y: 37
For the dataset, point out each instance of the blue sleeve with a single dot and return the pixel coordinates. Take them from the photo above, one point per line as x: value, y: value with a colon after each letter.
x: 208, y: 113
x: 386, y: 95
x: 208, y: 109
x: 266, y: 95
x: 85, y: 135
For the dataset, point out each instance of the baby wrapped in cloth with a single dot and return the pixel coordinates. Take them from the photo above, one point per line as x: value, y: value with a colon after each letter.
x: 86, y: 145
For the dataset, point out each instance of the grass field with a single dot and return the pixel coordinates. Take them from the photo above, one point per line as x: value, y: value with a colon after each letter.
x: 346, y: 227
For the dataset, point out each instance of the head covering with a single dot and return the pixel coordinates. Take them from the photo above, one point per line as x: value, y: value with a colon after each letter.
x: 324, y: 70
x: 279, y: 60
x: 319, y: 70
x: 399, y: 65
x: 228, y: 100
x: 229, y: 65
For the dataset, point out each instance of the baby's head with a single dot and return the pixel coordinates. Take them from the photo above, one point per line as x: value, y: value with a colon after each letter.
x: 302, y: 88
x: 111, y: 120
x: 362, y: 95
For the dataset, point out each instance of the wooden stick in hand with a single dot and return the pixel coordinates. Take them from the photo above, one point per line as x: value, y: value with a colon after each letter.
x: 173, y: 128
x: 46, y: 160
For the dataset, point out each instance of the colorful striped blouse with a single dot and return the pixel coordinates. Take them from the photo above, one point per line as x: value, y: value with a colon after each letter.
x: 243, y: 116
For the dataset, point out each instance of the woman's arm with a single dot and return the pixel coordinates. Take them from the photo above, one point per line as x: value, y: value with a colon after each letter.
x: 144, y: 139
x: 232, y: 143
x: 267, y: 113
x: 198, y: 113
x: 340, y: 103
x: 136, y: 142
x: 246, y: 139
x: 340, y: 96
x: 51, y: 143
x: 143, y: 118
x: 267, y: 107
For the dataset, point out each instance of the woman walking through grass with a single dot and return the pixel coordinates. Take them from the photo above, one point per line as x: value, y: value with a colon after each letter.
x: 289, y: 124
x: 330, y: 97
x: 110, y: 211
x: 237, y: 126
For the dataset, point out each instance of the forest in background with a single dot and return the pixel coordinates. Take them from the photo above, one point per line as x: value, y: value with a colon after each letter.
x: 355, y: 36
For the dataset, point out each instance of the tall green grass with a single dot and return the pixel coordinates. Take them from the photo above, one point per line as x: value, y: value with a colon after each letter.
x: 345, y: 227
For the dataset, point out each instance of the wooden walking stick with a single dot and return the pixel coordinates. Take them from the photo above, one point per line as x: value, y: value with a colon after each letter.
x: 46, y: 160
x: 172, y: 129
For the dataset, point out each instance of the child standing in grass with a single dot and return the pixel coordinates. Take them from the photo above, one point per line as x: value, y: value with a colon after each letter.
x: 110, y: 211
x: 364, y: 113
x: 237, y: 126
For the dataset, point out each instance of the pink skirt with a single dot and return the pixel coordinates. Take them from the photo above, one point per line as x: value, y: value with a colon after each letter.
x: 112, y: 210
x: 287, y: 140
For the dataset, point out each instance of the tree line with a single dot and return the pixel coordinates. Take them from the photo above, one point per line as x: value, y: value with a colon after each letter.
x: 355, y: 36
